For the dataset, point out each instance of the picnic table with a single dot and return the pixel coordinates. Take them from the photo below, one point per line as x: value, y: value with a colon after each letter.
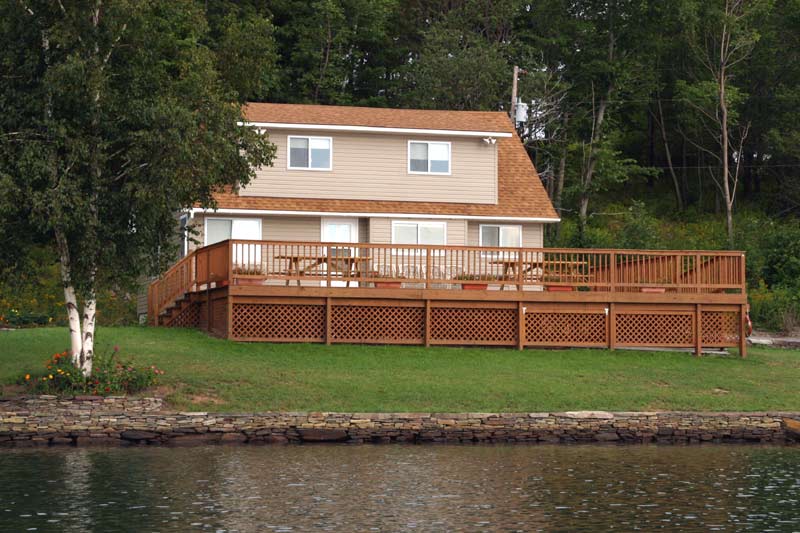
x: 568, y: 270
x: 297, y: 268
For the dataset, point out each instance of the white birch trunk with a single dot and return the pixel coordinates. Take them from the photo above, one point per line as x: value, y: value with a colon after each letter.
x: 87, y: 353
x: 76, y: 340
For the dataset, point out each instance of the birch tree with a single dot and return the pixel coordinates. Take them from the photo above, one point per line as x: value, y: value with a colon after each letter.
x: 722, y: 35
x: 114, y: 119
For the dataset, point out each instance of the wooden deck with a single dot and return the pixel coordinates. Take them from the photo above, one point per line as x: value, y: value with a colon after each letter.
x: 456, y: 295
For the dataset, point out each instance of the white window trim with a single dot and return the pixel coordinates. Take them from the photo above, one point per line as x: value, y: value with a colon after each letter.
x: 309, y: 167
x: 480, y: 233
x: 449, y: 158
x: 419, y: 223
x: 205, y: 226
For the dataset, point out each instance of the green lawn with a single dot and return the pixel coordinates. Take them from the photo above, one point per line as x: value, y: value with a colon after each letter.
x: 217, y: 375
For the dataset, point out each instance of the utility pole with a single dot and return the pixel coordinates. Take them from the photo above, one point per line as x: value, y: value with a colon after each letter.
x: 514, y: 95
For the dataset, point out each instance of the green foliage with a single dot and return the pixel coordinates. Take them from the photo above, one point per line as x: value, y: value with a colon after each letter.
x: 31, y: 295
x: 111, y: 375
x: 776, y: 309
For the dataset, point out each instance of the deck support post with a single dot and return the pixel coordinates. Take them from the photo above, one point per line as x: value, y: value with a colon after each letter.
x: 743, y: 331
x: 427, y: 322
x: 612, y: 327
x: 520, y: 325
x: 328, y: 307
x: 698, y: 330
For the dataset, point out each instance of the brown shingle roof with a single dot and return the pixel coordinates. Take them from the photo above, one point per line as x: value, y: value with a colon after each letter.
x: 520, y: 191
x: 379, y: 117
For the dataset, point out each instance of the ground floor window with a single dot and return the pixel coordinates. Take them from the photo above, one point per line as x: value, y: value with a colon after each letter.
x: 501, y: 235
x: 434, y: 233
x: 220, y: 229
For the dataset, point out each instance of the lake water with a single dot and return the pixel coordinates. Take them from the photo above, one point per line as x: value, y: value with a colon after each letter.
x: 401, y: 488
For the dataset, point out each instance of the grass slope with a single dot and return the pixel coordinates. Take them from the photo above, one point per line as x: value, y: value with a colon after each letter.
x: 217, y: 375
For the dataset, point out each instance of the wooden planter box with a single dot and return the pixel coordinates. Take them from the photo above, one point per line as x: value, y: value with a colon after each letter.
x: 250, y: 281
x: 653, y: 290
x: 388, y: 284
x: 475, y: 286
x: 558, y: 288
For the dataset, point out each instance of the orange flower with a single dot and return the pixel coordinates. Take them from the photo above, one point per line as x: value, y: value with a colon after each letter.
x: 27, y: 377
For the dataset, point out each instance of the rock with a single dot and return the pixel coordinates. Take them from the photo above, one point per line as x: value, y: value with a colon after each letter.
x: 792, y: 427
x: 193, y: 439
x: 232, y: 438
x: 98, y: 441
x: 587, y: 414
x: 138, y: 435
x: 607, y: 436
x: 322, y: 435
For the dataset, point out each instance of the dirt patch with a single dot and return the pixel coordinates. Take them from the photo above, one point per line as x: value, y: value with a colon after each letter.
x: 205, y: 399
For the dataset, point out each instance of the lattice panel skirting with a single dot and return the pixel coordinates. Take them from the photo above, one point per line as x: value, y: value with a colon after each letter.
x: 188, y: 317
x: 378, y: 324
x: 645, y: 329
x: 473, y: 325
x: 279, y: 322
x: 565, y: 329
x: 720, y: 328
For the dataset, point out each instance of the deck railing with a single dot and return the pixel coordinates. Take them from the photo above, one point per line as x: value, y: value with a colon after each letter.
x: 244, y: 262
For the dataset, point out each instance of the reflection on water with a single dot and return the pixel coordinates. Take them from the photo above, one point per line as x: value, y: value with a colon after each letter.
x: 398, y: 488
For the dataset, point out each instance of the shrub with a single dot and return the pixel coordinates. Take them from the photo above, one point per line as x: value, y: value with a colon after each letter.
x: 111, y: 375
x: 776, y: 309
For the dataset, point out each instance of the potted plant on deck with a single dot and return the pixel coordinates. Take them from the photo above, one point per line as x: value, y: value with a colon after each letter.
x: 254, y: 274
x: 556, y: 288
x: 476, y: 282
x: 392, y: 281
x: 650, y: 289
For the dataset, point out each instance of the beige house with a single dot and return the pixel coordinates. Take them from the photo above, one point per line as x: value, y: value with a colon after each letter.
x: 384, y: 176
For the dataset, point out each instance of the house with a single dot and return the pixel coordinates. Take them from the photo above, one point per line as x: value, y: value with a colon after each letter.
x: 389, y: 176
x: 399, y: 226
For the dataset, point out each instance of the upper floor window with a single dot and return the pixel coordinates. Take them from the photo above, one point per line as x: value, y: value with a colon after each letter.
x: 310, y: 153
x: 429, y: 157
x: 497, y: 235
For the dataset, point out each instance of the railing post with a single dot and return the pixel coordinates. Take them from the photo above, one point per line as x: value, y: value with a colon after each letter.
x: 743, y: 276
x: 520, y: 277
x: 613, y: 271
x: 697, y: 273
x: 231, y: 248
x: 428, y: 254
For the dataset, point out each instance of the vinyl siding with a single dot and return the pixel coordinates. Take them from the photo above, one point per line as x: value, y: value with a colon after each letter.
x: 375, y: 167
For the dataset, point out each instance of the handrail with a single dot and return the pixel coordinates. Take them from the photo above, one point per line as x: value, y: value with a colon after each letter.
x: 175, y: 282
x: 589, y: 269
x: 446, y: 267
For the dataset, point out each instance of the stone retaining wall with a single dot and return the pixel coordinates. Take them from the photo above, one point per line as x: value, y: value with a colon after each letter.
x: 47, y: 420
